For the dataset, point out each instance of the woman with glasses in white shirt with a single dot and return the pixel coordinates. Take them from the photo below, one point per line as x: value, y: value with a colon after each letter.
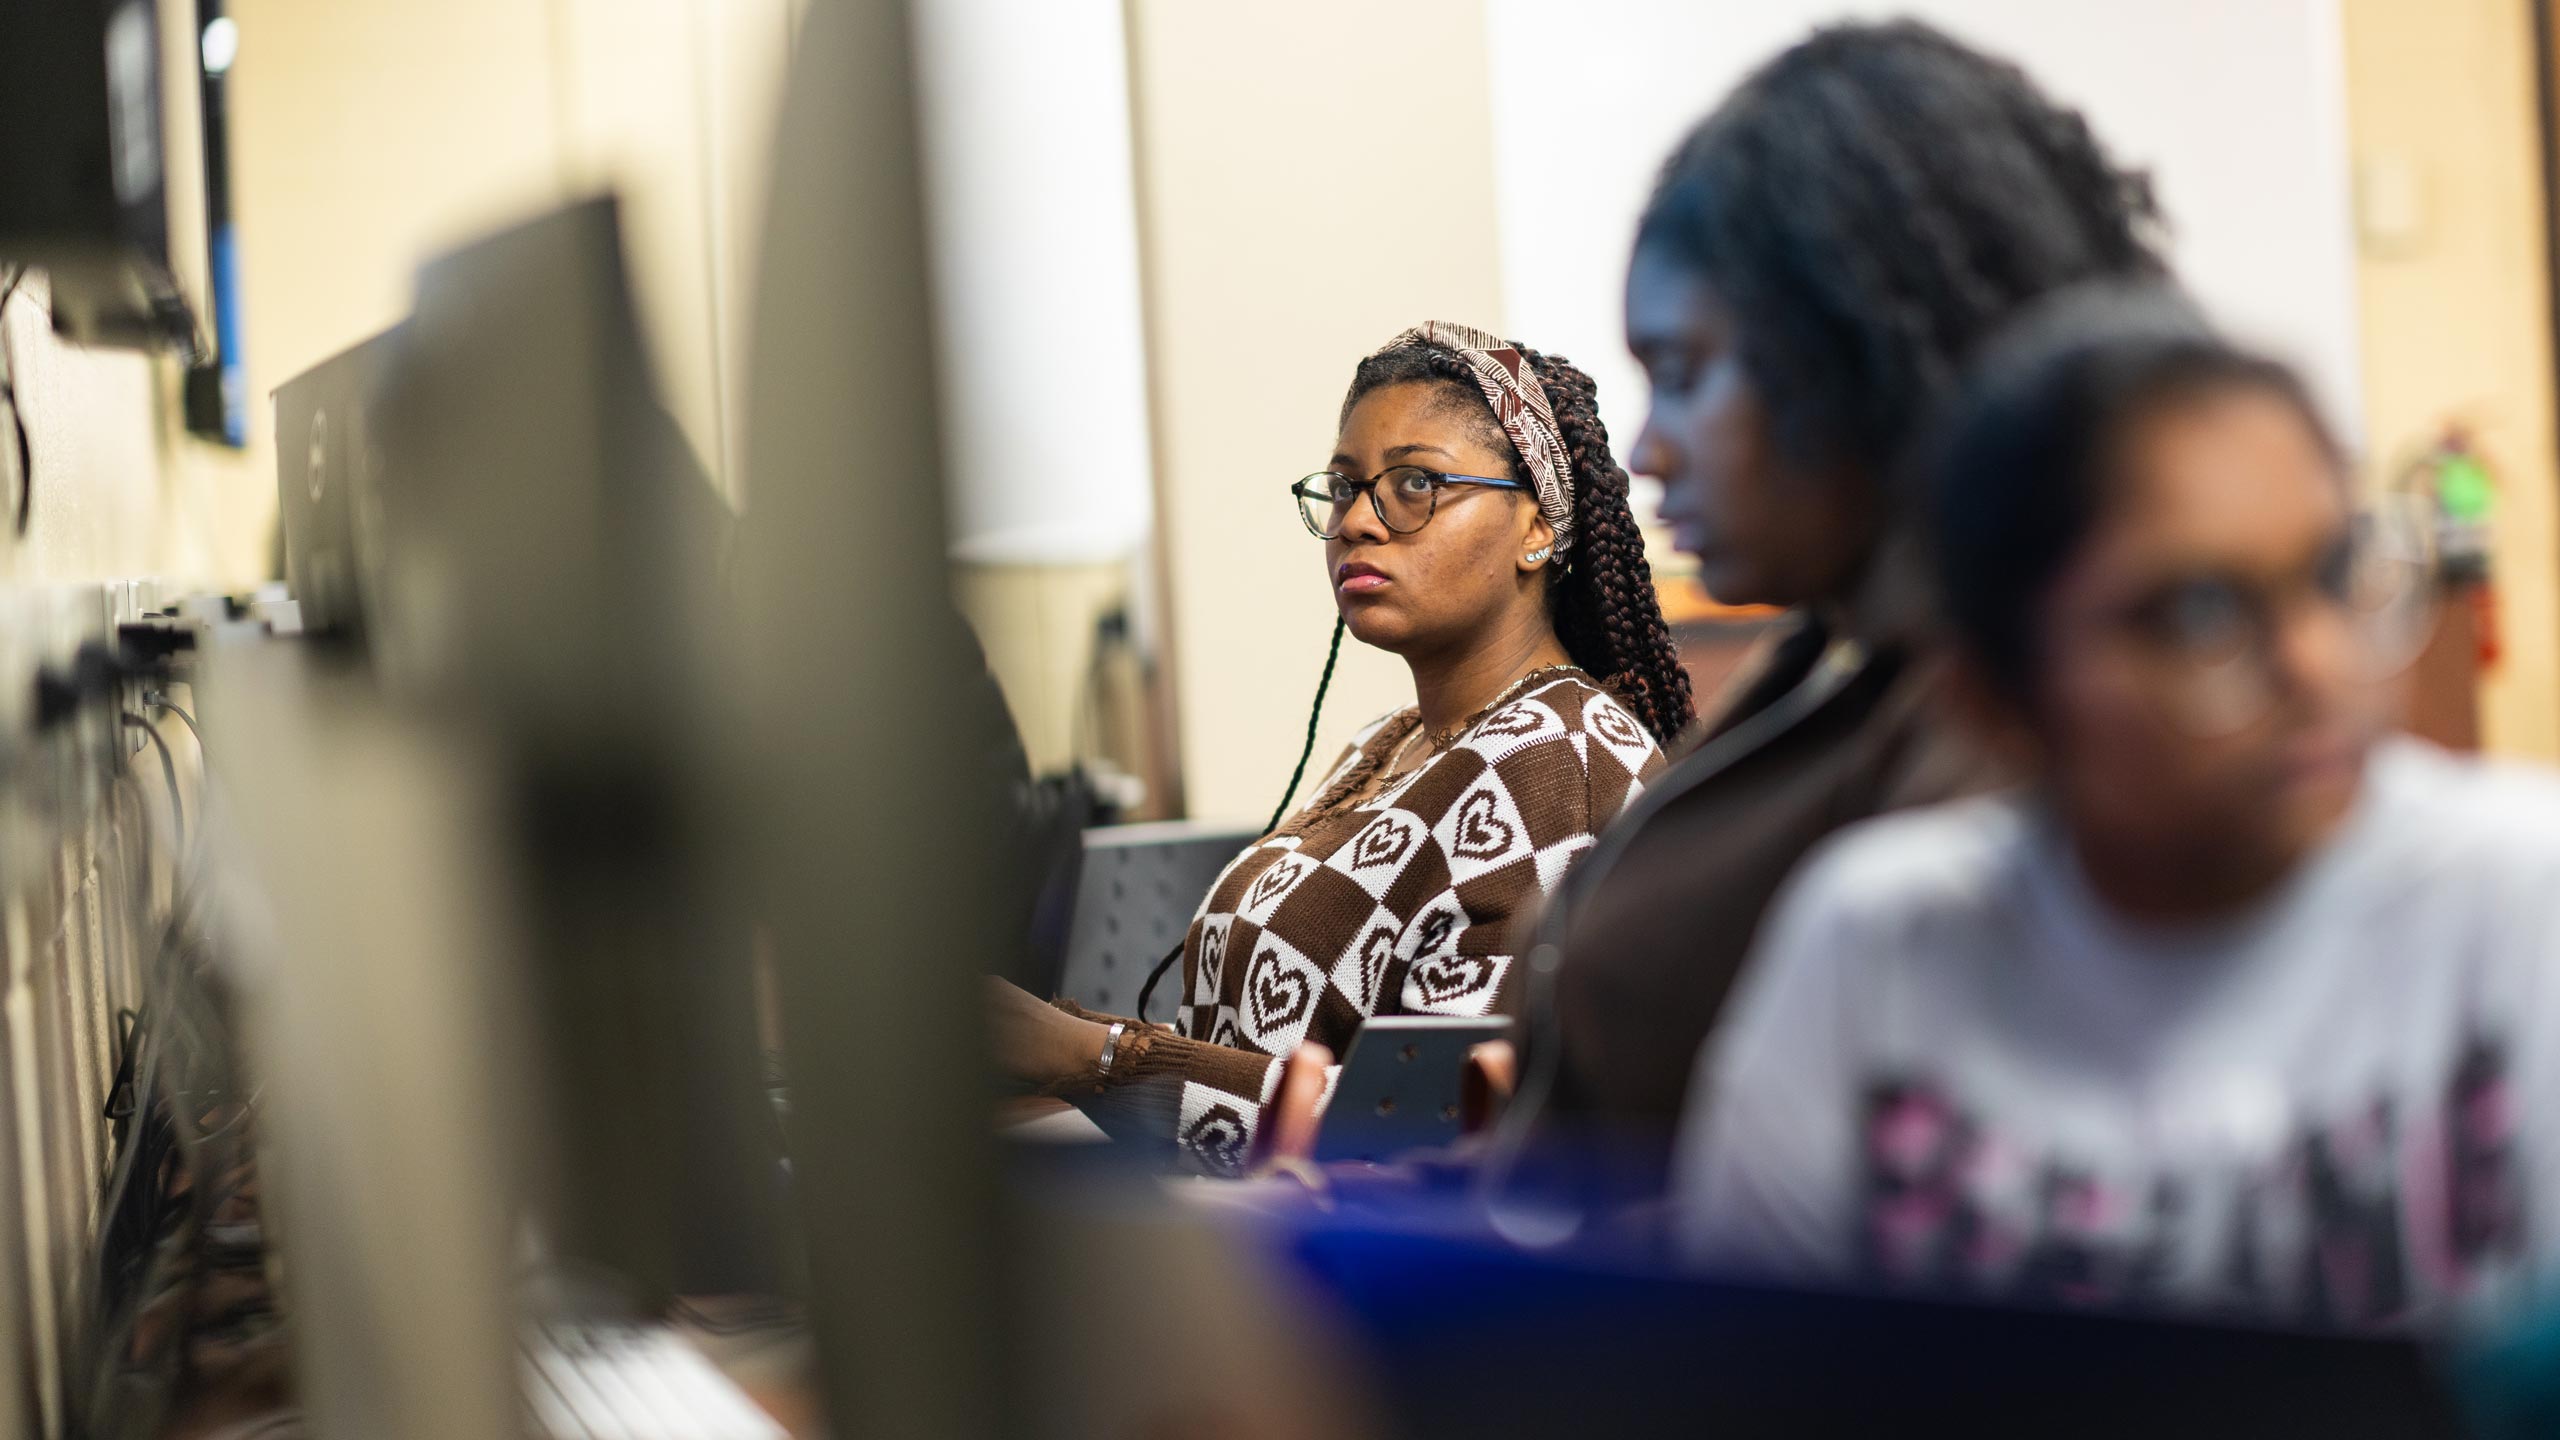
x: 2245, y: 1006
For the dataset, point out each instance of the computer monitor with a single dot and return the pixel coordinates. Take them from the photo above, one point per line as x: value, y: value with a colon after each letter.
x: 1135, y: 896
x: 549, y: 581
x: 876, y: 884
x: 503, y: 975
x: 329, y: 485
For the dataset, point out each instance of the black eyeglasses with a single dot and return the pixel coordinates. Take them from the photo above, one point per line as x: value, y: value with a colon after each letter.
x: 1405, y: 497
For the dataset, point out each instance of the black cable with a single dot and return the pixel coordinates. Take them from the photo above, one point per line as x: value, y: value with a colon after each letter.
x: 17, y: 415
x: 1147, y: 991
x: 139, y: 1250
x: 169, y: 1170
x: 42, y: 308
x: 1280, y: 812
x: 168, y: 772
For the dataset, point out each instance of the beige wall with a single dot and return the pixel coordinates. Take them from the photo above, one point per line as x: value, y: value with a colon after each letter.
x: 2441, y: 102
x: 368, y: 134
x: 117, y: 482
x: 1312, y: 179
x: 1036, y: 623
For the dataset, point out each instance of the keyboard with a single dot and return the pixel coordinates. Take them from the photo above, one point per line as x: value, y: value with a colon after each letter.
x: 596, y: 1381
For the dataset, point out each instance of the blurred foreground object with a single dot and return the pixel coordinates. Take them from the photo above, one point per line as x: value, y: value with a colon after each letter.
x: 378, y: 988
x: 498, y: 985
x: 1555, y: 1345
x: 548, y: 583
x: 872, y: 874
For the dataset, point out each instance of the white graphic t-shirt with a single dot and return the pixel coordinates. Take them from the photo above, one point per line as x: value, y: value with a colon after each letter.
x: 1952, y: 1069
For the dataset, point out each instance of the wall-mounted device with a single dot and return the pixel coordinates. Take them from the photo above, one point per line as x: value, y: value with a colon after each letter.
x: 87, y: 165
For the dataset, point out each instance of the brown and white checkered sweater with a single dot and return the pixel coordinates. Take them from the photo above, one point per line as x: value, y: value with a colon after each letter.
x: 1402, y: 904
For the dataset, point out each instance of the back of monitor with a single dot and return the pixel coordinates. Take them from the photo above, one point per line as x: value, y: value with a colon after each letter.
x: 1135, y: 896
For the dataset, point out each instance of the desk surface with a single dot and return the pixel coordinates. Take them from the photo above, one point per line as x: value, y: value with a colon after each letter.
x: 776, y: 1365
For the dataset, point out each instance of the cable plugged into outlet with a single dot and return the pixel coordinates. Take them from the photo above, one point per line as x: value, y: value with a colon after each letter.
x: 144, y: 656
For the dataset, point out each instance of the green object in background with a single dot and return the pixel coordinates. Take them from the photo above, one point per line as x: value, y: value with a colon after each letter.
x: 2463, y: 488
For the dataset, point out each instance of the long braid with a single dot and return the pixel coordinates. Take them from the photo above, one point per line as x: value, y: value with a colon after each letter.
x: 1280, y: 812
x: 1315, y: 712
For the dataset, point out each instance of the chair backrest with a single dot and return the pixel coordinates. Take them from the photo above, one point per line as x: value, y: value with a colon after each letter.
x: 1139, y: 888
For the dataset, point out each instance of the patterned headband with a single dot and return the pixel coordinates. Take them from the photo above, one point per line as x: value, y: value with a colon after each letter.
x: 1520, y: 403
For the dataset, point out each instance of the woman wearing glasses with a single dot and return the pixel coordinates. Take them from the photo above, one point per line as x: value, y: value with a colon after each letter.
x: 2240, y: 1006
x: 1475, y: 525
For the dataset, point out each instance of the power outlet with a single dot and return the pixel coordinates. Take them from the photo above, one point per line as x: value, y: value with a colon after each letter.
x: 63, y: 773
x: 127, y: 601
x: 50, y: 783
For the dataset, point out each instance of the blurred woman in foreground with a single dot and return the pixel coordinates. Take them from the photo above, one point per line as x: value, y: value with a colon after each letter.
x: 2242, y: 1007
x: 1816, y: 264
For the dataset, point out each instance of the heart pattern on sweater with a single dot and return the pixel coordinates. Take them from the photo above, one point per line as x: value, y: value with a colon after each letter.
x: 1446, y: 978
x: 1518, y: 719
x: 1375, y: 952
x: 1482, y: 833
x: 1281, y: 875
x: 1383, y: 843
x: 1614, y: 726
x: 1213, y: 955
x: 1279, y: 995
x: 1218, y: 1139
x: 1435, y: 932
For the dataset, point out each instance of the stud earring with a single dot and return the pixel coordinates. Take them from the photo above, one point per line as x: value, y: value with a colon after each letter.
x: 1534, y: 556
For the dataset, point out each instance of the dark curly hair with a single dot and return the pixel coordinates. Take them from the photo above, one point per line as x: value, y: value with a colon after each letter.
x: 1872, y: 204
x: 1603, y: 603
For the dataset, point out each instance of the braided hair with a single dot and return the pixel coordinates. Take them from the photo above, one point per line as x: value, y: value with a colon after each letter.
x: 1602, y: 602
x: 1872, y: 204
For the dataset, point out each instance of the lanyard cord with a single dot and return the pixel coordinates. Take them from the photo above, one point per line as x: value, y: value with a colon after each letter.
x: 1280, y: 812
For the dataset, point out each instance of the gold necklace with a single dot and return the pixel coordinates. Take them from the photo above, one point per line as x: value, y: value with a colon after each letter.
x: 1371, y: 777
x: 1449, y: 737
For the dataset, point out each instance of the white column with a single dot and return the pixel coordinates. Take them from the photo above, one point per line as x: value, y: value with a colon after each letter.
x: 1033, y: 225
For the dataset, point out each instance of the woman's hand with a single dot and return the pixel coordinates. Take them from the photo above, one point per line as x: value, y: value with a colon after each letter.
x: 1292, y: 1119
x: 1485, y: 1088
x: 1036, y: 1042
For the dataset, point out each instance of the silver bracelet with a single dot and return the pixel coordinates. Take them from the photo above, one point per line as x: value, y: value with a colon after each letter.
x: 1110, y: 1046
